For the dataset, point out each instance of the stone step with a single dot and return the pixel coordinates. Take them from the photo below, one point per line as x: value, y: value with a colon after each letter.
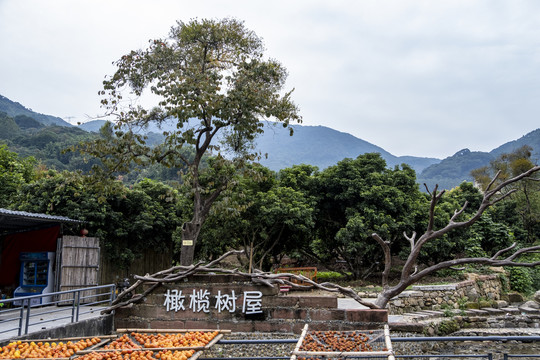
x: 493, y: 311
x: 511, y: 310
x: 477, y: 312
x: 529, y: 310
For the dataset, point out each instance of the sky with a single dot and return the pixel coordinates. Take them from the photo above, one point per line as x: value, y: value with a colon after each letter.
x: 421, y: 78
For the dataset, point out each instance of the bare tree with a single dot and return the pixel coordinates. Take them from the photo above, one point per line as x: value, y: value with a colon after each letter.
x: 410, y: 273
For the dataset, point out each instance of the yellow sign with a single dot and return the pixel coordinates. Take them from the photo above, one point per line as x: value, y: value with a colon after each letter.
x: 187, y: 243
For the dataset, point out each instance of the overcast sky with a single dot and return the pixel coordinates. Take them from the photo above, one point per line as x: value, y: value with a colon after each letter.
x: 422, y: 78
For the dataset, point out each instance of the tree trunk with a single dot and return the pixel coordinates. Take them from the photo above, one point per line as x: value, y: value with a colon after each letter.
x: 190, y: 233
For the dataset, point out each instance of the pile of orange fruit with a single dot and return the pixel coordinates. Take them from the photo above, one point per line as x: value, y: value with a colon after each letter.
x: 175, y: 355
x: 188, y: 339
x: 23, y: 349
x: 124, y: 347
x: 123, y: 342
x: 126, y: 354
x: 336, y: 341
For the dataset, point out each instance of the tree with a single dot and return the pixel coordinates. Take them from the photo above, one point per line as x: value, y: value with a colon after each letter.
x: 14, y: 172
x: 129, y: 222
x: 494, y: 192
x: 210, y: 79
x: 527, y: 197
x: 356, y: 198
x: 260, y: 215
x: 410, y: 272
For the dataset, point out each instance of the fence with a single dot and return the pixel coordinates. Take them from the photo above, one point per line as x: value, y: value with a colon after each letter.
x: 23, y: 315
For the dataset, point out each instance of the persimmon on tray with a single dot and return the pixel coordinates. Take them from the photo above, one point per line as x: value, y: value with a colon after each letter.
x: 41, y: 349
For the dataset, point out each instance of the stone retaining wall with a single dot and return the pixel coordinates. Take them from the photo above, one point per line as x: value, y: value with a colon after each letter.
x: 436, y: 297
x: 214, y: 309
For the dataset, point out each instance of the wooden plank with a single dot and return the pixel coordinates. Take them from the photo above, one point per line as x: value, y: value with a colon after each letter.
x: 79, y: 265
x: 214, y: 340
x: 301, y: 340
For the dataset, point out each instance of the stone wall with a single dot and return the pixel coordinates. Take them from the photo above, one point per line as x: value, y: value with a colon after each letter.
x: 436, y: 297
x: 226, y: 302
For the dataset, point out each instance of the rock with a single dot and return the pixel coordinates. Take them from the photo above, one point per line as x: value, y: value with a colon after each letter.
x: 472, y: 294
x: 515, y: 298
x: 537, y: 296
x: 500, y: 304
x: 530, y: 305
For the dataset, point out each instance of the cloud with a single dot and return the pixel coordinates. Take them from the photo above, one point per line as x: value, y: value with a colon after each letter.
x: 424, y: 78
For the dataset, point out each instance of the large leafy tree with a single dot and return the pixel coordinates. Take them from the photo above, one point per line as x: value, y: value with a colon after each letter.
x: 261, y: 215
x: 210, y: 79
x: 356, y: 198
x: 128, y: 222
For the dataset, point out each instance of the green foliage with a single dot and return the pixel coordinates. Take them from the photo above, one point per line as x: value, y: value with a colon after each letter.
x: 445, y: 327
x: 521, y: 280
x: 259, y: 214
x: 330, y: 276
x: 14, y: 172
x: 8, y: 127
x: 525, y: 201
x: 356, y: 198
x: 128, y: 222
x: 210, y: 79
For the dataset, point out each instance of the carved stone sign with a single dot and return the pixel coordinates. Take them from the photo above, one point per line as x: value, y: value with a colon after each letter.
x: 200, y: 301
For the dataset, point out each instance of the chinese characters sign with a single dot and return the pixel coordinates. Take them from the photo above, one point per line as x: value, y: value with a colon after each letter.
x: 199, y: 300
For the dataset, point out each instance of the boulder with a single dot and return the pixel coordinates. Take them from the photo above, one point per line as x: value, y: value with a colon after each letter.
x: 530, y: 304
x: 537, y: 296
x: 515, y: 298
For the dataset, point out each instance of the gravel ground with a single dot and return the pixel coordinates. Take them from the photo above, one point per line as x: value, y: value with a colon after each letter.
x: 255, y: 350
x: 497, y: 348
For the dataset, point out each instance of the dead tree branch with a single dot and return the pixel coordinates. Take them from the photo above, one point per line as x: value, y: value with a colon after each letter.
x: 492, y: 195
x: 177, y: 273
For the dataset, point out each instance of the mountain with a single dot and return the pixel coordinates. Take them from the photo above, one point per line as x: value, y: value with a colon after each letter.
x: 532, y: 139
x: 315, y: 145
x: 12, y: 108
x: 322, y: 146
x: 453, y: 170
x: 457, y: 168
x: 92, y: 126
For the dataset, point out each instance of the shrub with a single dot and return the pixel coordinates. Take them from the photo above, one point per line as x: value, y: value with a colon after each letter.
x: 521, y: 280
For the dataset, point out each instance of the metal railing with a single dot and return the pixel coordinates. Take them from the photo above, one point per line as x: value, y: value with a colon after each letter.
x: 20, y: 311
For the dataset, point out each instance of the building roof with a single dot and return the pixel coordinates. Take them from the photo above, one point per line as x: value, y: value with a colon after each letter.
x: 16, y: 221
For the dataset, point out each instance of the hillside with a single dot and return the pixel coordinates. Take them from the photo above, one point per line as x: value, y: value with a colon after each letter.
x: 12, y: 108
x: 532, y: 139
x: 457, y: 168
x: 315, y: 145
x: 322, y: 146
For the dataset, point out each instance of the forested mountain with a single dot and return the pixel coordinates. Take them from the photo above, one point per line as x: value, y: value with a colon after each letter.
x: 455, y: 169
x: 28, y: 133
x: 12, y: 108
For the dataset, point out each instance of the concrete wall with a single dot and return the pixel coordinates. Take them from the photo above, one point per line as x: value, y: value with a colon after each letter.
x: 277, y: 312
